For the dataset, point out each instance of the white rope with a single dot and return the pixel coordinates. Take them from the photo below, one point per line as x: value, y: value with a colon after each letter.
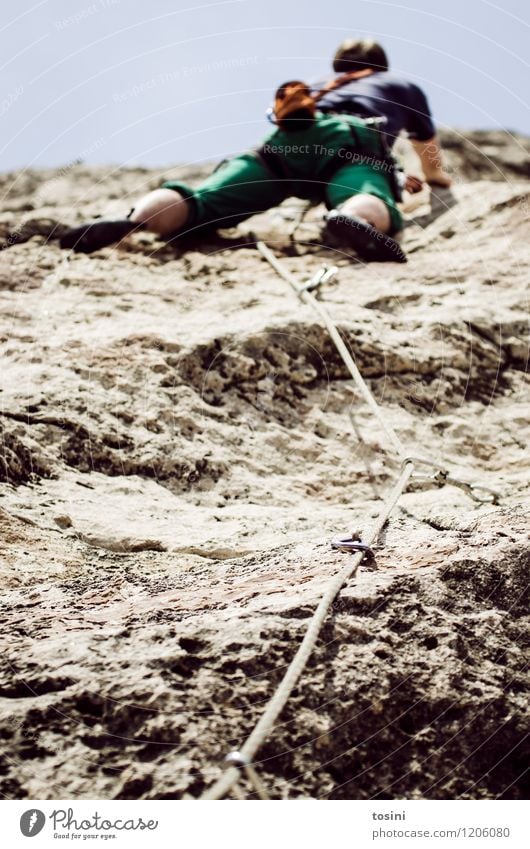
x: 310, y: 299
x: 472, y: 489
x: 257, y: 783
x: 265, y: 724
x: 240, y: 761
x: 277, y: 703
x: 237, y: 792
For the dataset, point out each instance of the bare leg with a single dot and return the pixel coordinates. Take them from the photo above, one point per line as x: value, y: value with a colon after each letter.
x: 162, y: 211
x: 363, y: 221
x: 370, y: 209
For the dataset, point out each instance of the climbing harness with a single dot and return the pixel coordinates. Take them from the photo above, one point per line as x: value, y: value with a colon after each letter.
x: 241, y: 763
x: 295, y: 107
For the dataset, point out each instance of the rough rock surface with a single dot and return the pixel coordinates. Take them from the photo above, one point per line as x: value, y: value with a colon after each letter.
x: 178, y: 444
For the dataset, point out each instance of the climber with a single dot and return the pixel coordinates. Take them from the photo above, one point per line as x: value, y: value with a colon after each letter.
x: 366, y: 88
x: 337, y: 159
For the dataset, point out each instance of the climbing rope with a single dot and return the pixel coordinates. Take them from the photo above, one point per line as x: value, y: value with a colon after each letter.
x: 243, y: 759
x: 305, y: 295
x: 277, y: 703
x: 304, y: 292
x: 238, y: 759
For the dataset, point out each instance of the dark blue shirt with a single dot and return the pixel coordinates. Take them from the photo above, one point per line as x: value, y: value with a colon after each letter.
x: 401, y: 102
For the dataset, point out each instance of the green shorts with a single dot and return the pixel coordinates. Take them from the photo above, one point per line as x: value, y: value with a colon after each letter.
x: 359, y: 178
x: 237, y: 189
x: 246, y: 185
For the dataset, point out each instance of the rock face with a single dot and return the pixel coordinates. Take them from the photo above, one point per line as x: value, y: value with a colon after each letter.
x: 178, y: 444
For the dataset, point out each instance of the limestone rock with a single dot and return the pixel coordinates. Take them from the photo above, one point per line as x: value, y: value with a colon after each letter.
x: 179, y: 443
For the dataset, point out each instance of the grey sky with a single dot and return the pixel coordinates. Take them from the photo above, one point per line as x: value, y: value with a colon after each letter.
x: 180, y: 81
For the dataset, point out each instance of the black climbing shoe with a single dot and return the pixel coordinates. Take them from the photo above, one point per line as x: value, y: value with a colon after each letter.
x: 98, y: 234
x: 369, y: 243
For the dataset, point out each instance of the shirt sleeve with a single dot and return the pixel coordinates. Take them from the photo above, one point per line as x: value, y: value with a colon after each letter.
x: 420, y: 125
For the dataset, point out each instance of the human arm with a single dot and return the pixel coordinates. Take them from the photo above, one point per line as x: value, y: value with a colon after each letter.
x: 431, y: 159
x: 422, y: 134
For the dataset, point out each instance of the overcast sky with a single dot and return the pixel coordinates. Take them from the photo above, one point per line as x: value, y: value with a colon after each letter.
x: 170, y: 81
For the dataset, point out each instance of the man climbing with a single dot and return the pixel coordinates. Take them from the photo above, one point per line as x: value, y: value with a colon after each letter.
x: 341, y: 160
x: 366, y: 87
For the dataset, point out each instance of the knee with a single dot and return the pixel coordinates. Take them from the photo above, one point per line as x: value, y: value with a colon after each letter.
x: 162, y: 211
x: 371, y: 209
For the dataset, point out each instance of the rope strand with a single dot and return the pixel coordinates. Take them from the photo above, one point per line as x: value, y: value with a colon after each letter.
x: 264, y: 726
x: 276, y: 704
x: 356, y: 375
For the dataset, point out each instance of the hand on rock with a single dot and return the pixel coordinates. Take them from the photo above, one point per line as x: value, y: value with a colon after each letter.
x: 413, y: 184
x: 440, y: 178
